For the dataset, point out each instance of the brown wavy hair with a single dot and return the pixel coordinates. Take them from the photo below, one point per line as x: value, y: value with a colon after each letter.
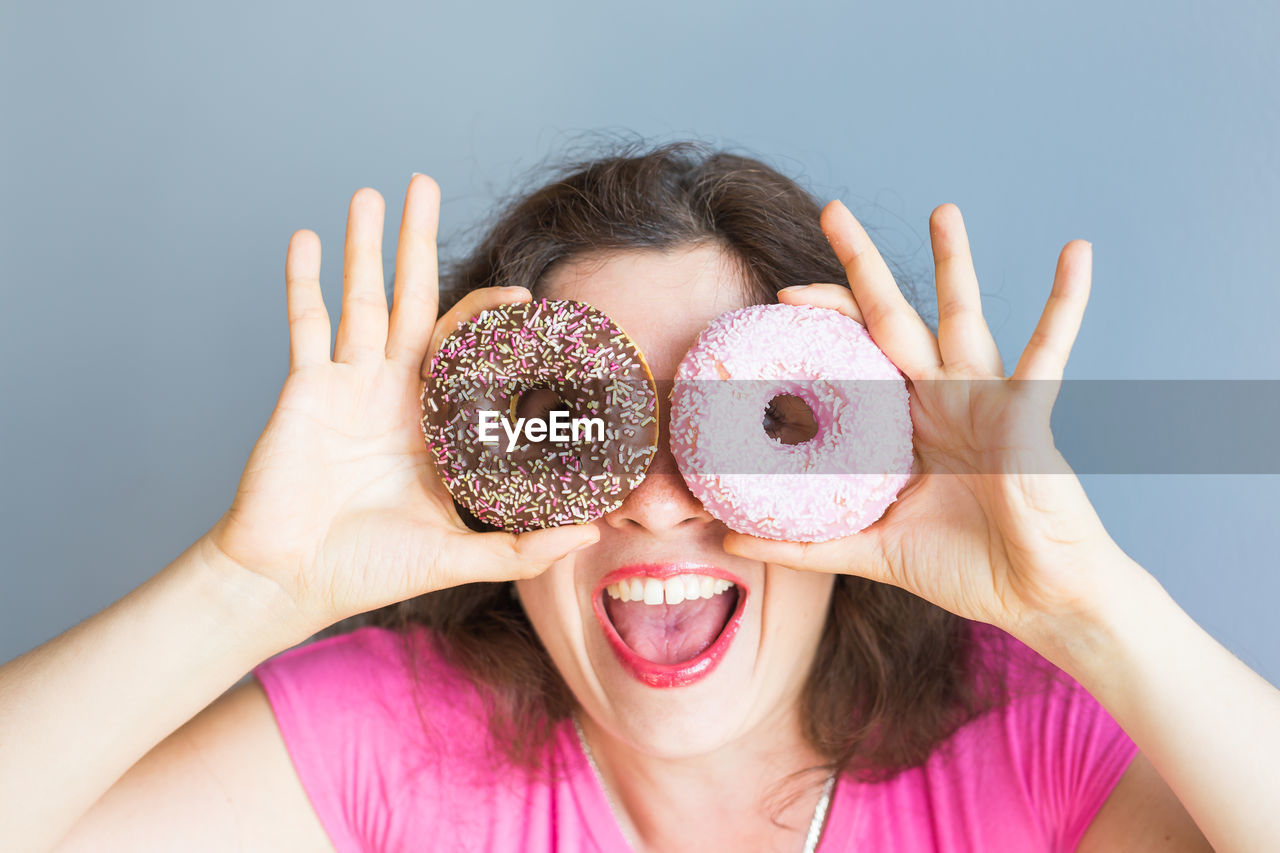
x: 893, y: 675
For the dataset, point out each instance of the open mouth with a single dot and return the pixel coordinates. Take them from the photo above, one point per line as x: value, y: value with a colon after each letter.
x: 673, y: 620
x: 668, y: 625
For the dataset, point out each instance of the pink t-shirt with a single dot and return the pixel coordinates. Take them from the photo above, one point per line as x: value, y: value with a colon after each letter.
x: 385, y: 773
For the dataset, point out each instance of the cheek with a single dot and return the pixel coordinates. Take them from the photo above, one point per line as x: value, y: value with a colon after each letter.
x: 550, y: 602
x: 813, y: 596
x: 796, y: 613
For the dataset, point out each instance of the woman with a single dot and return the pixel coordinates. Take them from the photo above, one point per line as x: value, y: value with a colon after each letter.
x: 864, y: 702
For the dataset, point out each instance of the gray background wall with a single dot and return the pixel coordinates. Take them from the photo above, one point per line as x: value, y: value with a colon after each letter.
x: 156, y: 158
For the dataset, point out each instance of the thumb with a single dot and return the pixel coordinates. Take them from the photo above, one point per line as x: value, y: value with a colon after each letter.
x: 501, y: 556
x: 859, y: 554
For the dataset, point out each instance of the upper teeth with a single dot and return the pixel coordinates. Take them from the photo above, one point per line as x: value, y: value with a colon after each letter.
x: 672, y: 590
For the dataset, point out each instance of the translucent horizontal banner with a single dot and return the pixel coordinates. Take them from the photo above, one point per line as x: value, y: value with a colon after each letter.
x: 824, y: 427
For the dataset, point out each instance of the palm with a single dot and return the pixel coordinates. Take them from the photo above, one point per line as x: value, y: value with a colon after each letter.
x: 338, y: 465
x: 993, y: 524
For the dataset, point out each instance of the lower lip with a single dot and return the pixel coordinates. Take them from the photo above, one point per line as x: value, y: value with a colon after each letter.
x: 676, y: 674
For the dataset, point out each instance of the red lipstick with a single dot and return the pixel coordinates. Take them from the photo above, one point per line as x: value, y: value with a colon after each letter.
x: 685, y: 672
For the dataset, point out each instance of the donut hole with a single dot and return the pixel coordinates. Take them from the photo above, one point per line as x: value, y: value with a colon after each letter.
x: 536, y: 403
x: 789, y: 420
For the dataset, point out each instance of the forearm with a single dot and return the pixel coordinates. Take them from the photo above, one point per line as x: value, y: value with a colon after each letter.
x: 1207, y: 723
x: 78, y: 711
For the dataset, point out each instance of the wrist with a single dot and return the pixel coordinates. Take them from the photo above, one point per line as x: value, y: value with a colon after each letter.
x: 248, y: 599
x: 1117, y: 597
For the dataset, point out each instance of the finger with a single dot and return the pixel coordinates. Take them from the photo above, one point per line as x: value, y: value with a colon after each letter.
x: 859, y: 554
x: 304, y: 302
x: 468, y: 307
x: 362, y: 328
x: 834, y: 296
x: 894, y: 325
x: 963, y: 336
x: 417, y: 289
x: 506, y: 556
x: 1046, y: 354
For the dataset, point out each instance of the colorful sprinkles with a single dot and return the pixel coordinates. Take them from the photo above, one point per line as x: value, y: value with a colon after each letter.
x: 594, y: 369
x: 835, y: 484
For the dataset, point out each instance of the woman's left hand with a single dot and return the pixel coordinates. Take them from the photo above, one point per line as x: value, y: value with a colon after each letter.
x: 993, y: 525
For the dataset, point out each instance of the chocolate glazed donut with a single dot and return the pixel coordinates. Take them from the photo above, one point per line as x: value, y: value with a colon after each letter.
x: 528, y: 361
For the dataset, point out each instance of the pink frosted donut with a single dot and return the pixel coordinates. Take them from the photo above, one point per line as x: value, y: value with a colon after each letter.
x: 835, y: 483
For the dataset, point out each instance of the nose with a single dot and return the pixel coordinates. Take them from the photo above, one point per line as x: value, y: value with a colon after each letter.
x: 662, y: 502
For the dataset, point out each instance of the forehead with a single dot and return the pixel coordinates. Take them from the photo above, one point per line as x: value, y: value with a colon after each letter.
x: 661, y: 299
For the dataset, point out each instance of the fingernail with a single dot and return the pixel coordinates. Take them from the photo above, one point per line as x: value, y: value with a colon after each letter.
x: 793, y: 288
x: 414, y: 175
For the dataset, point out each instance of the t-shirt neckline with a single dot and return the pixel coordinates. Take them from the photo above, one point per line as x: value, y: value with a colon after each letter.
x: 602, y: 824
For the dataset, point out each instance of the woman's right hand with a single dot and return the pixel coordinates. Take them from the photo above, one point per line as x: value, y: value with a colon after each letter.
x: 339, y: 503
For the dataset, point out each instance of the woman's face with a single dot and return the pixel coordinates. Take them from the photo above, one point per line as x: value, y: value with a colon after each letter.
x: 639, y: 692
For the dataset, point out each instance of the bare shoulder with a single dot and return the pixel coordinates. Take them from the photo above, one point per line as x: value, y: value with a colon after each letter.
x: 224, y: 781
x: 1141, y: 815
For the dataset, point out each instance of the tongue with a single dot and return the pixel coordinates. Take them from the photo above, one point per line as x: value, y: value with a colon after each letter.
x: 670, y: 633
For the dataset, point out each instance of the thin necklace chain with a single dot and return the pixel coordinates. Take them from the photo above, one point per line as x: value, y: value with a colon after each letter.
x: 810, y: 840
